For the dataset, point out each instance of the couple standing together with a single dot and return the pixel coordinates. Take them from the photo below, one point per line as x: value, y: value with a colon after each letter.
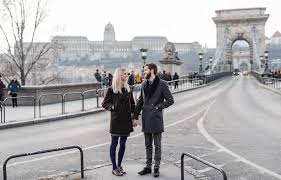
x: 155, y: 96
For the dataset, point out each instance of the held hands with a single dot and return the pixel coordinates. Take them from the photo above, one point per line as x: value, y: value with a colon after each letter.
x: 135, y: 122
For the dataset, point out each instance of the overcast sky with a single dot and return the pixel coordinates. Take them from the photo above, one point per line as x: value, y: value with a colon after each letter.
x: 178, y: 20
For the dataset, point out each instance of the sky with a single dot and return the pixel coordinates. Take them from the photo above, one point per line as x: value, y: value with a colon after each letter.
x: 178, y: 20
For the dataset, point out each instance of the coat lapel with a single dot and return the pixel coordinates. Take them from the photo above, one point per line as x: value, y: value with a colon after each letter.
x: 153, y: 87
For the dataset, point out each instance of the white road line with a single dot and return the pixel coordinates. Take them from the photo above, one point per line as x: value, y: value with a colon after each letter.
x: 200, y: 125
x: 98, y: 145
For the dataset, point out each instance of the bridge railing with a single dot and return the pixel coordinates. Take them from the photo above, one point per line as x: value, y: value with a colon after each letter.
x: 212, y: 77
x: 258, y: 76
x: 1, y: 111
x: 16, y: 98
x: 201, y: 161
x: 50, y: 94
x: 43, y: 152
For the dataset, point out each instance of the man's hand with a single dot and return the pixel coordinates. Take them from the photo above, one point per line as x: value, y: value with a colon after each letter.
x: 135, y: 122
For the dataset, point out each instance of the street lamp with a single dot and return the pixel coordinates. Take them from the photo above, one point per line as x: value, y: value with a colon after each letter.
x: 266, y: 69
x: 210, y: 61
x: 200, y: 60
x: 262, y: 60
x: 143, y: 55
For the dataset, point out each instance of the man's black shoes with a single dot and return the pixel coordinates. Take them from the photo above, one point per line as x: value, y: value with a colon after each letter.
x: 145, y: 171
x: 156, y: 173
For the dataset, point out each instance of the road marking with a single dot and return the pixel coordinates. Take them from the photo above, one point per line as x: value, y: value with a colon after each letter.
x: 200, y: 125
x: 98, y: 145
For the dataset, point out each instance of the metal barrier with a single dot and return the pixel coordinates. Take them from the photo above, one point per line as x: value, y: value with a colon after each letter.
x: 1, y: 109
x: 276, y: 83
x: 51, y: 94
x: 202, y: 161
x: 258, y: 76
x: 42, y: 152
x: 83, y: 97
x: 182, y: 84
x: 69, y: 93
x: 19, y: 97
x: 212, y: 77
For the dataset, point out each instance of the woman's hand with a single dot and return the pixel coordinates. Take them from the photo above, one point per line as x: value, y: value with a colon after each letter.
x: 135, y: 122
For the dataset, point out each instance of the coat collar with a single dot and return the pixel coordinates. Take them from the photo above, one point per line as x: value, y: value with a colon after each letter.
x: 153, y: 87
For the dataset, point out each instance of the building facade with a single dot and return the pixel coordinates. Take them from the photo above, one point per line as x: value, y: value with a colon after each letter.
x: 74, y: 47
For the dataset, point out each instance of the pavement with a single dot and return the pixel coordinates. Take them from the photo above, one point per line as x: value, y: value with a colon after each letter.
x: 167, y: 172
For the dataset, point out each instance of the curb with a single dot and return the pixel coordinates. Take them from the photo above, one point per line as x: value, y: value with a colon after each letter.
x: 10, y: 125
x: 270, y: 88
x: 48, y: 119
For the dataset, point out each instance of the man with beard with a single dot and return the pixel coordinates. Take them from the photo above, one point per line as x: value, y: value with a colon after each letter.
x: 155, y: 96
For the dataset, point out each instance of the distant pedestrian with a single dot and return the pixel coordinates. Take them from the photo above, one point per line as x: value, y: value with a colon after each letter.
x: 120, y: 102
x: 14, y: 87
x: 97, y: 75
x: 131, y: 80
x: 110, y: 78
x: 138, y: 78
x: 169, y: 77
x: 163, y: 76
x: 104, y: 80
x: 2, y: 86
x: 175, y: 78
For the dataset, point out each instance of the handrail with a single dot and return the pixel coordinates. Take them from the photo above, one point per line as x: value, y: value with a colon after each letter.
x: 1, y: 109
x: 50, y: 94
x: 83, y: 97
x: 19, y: 97
x: 202, y: 161
x: 42, y: 152
x: 69, y: 93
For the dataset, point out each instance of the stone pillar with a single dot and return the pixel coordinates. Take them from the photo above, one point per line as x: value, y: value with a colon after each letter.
x: 171, y: 62
x: 171, y: 67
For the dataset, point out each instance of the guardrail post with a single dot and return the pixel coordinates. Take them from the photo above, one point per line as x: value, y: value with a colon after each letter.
x: 83, y: 101
x: 1, y: 111
x: 34, y: 104
x: 201, y: 161
x: 42, y: 152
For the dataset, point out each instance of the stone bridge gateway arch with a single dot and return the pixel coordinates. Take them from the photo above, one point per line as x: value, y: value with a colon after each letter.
x: 246, y: 24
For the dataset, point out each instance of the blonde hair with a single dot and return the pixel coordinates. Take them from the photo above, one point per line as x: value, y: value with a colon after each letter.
x: 117, y: 83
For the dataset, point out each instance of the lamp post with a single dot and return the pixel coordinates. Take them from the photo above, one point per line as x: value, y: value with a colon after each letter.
x: 266, y: 69
x: 200, y: 61
x: 210, y: 62
x: 143, y: 55
x: 262, y: 61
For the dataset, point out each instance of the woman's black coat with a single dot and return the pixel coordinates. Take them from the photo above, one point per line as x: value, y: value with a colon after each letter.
x: 121, y: 106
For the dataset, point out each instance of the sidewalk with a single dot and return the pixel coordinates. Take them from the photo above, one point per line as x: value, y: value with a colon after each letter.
x: 167, y: 172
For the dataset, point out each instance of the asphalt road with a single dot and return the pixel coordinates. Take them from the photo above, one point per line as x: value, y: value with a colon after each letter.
x: 232, y: 123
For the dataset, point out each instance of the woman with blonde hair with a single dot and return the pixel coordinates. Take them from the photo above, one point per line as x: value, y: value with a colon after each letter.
x: 120, y: 102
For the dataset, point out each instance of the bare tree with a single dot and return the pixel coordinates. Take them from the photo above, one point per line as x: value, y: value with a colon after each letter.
x: 19, y: 19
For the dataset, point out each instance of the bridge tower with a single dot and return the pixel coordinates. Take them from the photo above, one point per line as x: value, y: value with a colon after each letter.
x: 246, y: 24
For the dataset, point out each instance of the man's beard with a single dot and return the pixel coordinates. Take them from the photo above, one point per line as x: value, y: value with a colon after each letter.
x: 148, y: 75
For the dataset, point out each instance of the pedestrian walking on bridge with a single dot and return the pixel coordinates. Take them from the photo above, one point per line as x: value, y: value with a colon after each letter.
x: 14, y: 87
